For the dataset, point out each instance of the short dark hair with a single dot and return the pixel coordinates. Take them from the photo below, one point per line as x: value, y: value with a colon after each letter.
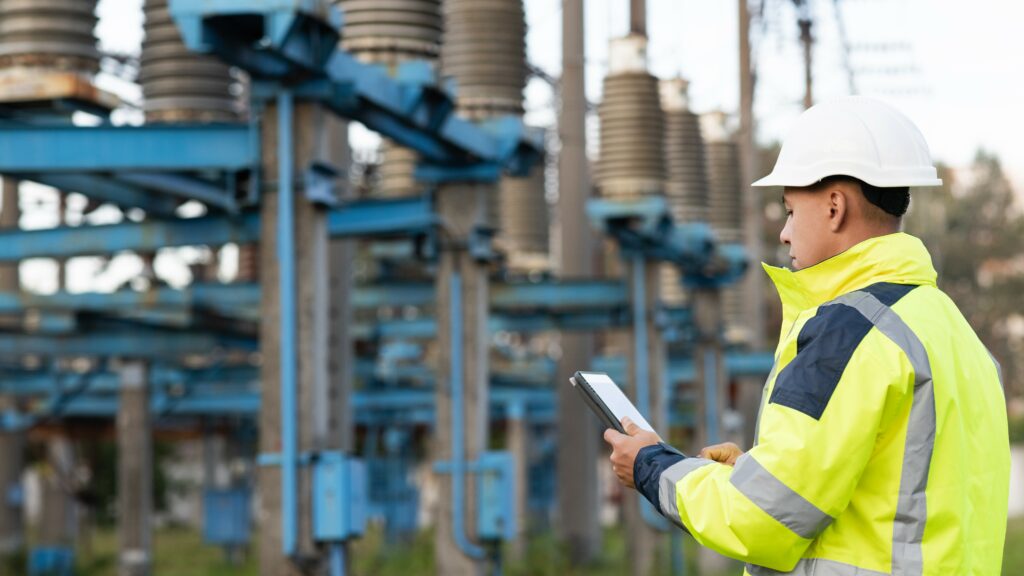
x: 892, y: 201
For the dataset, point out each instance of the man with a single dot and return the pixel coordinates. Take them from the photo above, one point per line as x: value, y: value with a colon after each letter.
x: 881, y: 445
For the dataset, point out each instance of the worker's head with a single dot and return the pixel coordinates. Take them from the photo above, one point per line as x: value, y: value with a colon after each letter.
x: 846, y: 167
x: 836, y: 213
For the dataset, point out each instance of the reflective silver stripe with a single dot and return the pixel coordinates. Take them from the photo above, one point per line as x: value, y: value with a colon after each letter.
x: 911, y: 506
x: 815, y: 567
x: 999, y: 368
x: 778, y: 500
x: 667, y: 486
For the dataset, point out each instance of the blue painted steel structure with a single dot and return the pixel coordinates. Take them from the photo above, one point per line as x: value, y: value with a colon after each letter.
x: 289, y: 47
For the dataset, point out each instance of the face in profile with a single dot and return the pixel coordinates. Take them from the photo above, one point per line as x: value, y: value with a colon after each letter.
x: 806, y: 233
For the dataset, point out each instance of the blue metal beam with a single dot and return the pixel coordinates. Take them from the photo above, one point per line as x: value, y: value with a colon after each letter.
x: 137, y: 342
x: 108, y: 190
x: 184, y: 187
x: 149, y: 235
x: 383, y: 217
x: 49, y: 149
x: 224, y: 298
x: 367, y: 218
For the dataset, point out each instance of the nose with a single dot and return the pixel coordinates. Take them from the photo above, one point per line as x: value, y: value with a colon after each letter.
x: 786, y: 235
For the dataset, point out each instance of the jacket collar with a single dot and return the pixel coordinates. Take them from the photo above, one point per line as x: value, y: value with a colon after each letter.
x: 896, y: 258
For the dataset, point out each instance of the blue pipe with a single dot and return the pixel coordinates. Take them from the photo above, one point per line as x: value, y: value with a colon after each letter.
x: 337, y: 560
x: 458, y: 414
x: 711, y: 396
x: 289, y: 360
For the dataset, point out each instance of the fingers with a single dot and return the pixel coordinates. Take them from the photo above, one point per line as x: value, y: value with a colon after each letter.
x: 726, y: 453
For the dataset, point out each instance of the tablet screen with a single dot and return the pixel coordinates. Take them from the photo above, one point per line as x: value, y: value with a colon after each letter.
x: 615, y: 399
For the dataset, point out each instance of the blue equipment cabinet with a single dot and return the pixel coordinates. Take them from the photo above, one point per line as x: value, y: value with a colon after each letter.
x: 227, y: 516
x: 496, y: 500
x: 339, y: 497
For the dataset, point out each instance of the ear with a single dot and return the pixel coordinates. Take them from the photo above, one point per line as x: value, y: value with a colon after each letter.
x: 838, y: 208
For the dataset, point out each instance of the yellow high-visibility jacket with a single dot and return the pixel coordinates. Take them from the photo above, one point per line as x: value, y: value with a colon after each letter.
x: 882, y: 443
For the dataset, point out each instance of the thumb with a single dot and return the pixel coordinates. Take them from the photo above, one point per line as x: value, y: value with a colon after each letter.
x: 631, y: 427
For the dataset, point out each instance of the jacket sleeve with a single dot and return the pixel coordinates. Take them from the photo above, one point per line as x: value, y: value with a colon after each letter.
x: 817, y: 434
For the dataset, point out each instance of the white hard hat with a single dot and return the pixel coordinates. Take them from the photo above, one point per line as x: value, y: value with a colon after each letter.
x: 853, y: 136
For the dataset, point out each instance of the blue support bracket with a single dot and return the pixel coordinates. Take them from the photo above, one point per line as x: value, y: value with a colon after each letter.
x: 645, y: 227
x: 282, y: 39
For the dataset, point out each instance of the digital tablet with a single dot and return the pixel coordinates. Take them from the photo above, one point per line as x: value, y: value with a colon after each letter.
x: 607, y: 400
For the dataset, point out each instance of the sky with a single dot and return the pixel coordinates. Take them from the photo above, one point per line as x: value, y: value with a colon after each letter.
x: 951, y: 66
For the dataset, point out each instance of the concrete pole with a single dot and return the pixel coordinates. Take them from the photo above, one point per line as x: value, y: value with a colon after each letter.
x: 59, y: 510
x: 808, y: 43
x: 579, y: 437
x: 338, y: 417
x: 753, y: 234
x: 62, y: 220
x: 309, y: 123
x: 12, y: 442
x: 638, y: 17
x: 135, y: 472
x: 518, y: 432
x: 461, y: 206
x: 641, y: 539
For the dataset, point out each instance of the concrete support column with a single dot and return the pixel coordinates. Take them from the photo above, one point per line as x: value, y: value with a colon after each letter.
x: 135, y: 472
x: 642, y: 540
x: 579, y: 438
x: 309, y: 126
x: 518, y: 440
x: 12, y: 463
x: 462, y: 207
x: 12, y: 442
x: 59, y: 510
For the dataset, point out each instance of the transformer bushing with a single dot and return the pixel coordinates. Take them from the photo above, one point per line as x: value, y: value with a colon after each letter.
x: 179, y: 85
x: 725, y: 197
x: 484, y: 52
x: 390, y: 32
x: 631, y: 163
x: 686, y: 184
x: 55, y: 34
x: 523, y: 216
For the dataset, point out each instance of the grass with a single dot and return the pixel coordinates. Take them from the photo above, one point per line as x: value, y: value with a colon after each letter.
x: 182, y: 553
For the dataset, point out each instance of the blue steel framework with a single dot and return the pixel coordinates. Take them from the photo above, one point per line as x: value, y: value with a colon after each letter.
x: 289, y: 47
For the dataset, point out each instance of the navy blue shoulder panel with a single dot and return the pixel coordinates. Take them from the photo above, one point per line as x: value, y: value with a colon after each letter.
x: 823, y: 349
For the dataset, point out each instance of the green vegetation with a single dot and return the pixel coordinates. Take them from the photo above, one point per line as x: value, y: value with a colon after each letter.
x: 182, y: 553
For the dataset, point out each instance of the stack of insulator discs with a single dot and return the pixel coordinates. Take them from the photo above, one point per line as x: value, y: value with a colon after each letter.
x: 484, y: 52
x: 631, y: 162
x: 523, y: 214
x: 51, y: 34
x: 686, y: 184
x: 397, y: 171
x: 179, y: 85
x: 391, y: 31
x: 725, y: 206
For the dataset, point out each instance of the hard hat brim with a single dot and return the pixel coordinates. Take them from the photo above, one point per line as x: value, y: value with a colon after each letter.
x: 799, y: 181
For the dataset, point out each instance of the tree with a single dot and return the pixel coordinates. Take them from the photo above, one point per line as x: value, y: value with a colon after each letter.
x: 974, y: 231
